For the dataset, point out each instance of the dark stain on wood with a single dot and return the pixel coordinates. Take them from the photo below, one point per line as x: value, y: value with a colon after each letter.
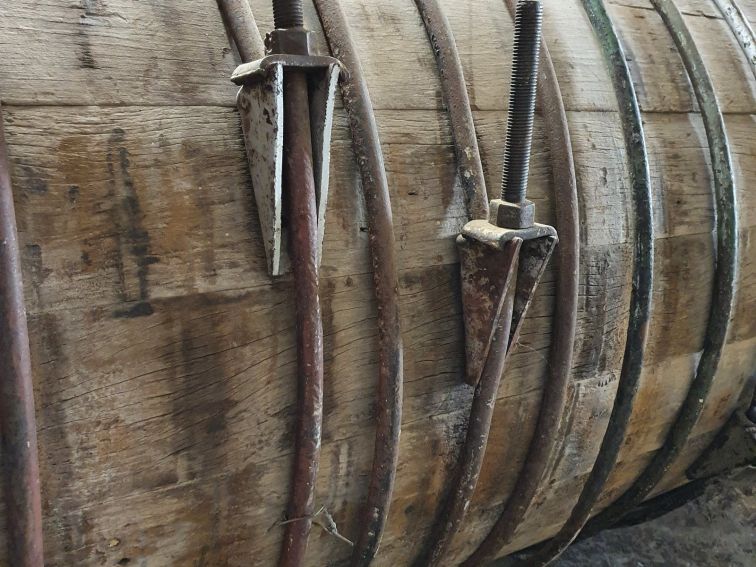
x: 196, y: 355
x: 58, y: 453
x: 602, y: 276
x: 132, y: 238
x: 85, y: 56
x: 73, y: 195
x: 201, y: 195
x: 139, y: 309
x: 32, y: 181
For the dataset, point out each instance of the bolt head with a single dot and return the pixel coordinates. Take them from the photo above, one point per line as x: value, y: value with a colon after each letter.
x: 512, y: 215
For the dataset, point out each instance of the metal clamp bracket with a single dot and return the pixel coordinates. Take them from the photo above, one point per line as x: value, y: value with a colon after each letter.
x: 261, y: 107
x: 486, y: 272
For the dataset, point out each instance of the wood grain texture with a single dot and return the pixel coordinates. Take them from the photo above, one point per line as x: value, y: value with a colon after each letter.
x: 163, y: 352
x: 117, y: 52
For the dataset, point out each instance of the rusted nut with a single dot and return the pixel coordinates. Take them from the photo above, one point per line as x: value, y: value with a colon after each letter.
x: 292, y: 41
x: 512, y: 215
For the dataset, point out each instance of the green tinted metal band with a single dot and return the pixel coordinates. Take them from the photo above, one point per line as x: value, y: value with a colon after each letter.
x: 640, y: 301
x: 724, y: 274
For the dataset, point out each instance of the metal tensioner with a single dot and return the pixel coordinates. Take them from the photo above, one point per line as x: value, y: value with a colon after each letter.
x: 261, y: 106
x: 503, y: 258
x: 501, y: 267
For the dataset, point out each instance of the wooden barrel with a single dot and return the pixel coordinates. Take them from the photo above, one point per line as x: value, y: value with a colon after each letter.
x: 163, y: 352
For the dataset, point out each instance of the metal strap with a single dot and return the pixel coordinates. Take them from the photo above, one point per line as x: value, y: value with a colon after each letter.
x: 723, y: 290
x: 565, y: 316
x: 741, y: 29
x: 18, y: 426
x: 458, y: 106
x: 369, y: 157
x: 640, y: 301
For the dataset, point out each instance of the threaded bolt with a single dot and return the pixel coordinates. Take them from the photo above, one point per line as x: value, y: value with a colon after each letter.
x: 522, y: 99
x: 288, y: 14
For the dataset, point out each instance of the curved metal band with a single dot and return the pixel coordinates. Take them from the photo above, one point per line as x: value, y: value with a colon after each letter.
x: 565, y: 315
x: 640, y: 301
x: 457, y: 501
x: 458, y: 105
x: 369, y: 157
x: 239, y: 18
x: 724, y: 276
x: 240, y: 21
x: 18, y: 426
x: 741, y: 29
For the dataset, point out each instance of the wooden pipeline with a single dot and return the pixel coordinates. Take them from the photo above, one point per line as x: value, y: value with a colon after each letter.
x: 163, y: 353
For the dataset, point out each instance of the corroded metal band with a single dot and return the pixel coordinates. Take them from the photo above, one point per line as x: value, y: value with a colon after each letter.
x: 724, y: 276
x: 241, y: 24
x: 18, y: 427
x: 458, y: 105
x: 457, y: 501
x: 640, y: 301
x: 565, y: 315
x: 303, y: 236
x: 741, y: 29
x: 303, y: 242
x: 369, y: 157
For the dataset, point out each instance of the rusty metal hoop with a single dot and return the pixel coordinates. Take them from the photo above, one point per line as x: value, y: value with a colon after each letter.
x: 454, y: 89
x: 238, y: 17
x: 18, y: 426
x: 565, y: 316
x: 369, y: 157
x: 723, y: 291
x: 457, y: 501
x: 640, y: 301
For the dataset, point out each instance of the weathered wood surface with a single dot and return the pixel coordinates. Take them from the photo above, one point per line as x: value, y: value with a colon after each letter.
x: 167, y: 53
x: 163, y: 352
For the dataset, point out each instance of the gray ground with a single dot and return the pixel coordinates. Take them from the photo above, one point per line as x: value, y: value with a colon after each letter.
x: 716, y: 529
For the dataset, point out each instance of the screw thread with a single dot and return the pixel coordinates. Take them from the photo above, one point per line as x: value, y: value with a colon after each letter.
x: 288, y: 14
x: 522, y: 99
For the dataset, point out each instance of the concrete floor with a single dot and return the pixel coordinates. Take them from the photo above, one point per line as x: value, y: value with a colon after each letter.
x: 717, y: 529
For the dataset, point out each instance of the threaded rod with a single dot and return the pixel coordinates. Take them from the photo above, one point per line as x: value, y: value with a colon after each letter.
x: 288, y: 14
x: 522, y: 99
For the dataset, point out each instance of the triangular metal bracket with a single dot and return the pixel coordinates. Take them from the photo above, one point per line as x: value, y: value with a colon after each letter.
x: 487, y: 274
x: 487, y: 264
x: 260, y: 103
x: 534, y: 256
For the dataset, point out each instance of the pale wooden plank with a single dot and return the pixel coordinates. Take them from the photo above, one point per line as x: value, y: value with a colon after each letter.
x: 706, y: 8
x: 658, y: 73
x: 121, y: 52
x: 174, y: 53
x: 172, y: 185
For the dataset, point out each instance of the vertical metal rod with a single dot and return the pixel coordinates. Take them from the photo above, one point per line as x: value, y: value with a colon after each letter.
x: 640, y: 300
x: 565, y: 316
x: 303, y: 234
x: 18, y: 428
x: 723, y: 290
x: 369, y: 157
x: 454, y: 90
x: 457, y: 501
x: 299, y: 182
x: 522, y: 100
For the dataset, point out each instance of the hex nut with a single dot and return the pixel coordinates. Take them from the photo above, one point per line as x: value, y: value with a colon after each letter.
x: 512, y: 215
x: 291, y: 41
